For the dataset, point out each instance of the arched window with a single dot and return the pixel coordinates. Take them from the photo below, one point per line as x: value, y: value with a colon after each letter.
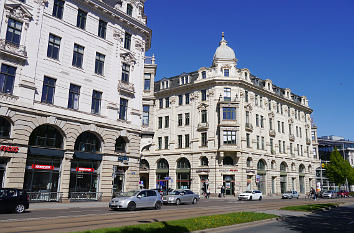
x: 310, y: 168
x: 144, y: 164
x: 183, y: 163
x: 228, y: 161
x: 129, y: 9
x: 249, y: 161
x: 283, y: 167
x: 293, y: 166
x: 204, y: 161
x: 261, y: 165
x: 272, y: 164
x: 162, y: 164
x: 46, y: 136
x: 5, y: 128
x: 88, y: 142
x: 121, y: 144
x: 301, y: 168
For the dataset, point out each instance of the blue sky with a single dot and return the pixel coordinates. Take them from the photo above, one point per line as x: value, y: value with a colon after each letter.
x: 305, y: 45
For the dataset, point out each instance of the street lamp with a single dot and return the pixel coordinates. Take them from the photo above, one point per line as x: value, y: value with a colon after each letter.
x: 346, y: 179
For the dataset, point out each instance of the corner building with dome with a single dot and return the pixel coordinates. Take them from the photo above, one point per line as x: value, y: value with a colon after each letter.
x: 223, y: 126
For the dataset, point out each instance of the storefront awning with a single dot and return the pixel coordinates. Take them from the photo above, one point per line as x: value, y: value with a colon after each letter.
x: 45, y: 152
x: 88, y: 156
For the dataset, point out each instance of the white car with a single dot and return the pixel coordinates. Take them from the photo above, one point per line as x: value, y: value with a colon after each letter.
x: 251, y: 195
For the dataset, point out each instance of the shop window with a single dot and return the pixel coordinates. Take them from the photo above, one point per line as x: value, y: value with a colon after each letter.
x: 162, y: 164
x: 261, y: 165
x: 228, y: 161
x: 46, y: 136
x: 121, y: 145
x: 204, y: 161
x: 88, y: 142
x: 183, y: 163
x: 84, y: 177
x: 5, y: 128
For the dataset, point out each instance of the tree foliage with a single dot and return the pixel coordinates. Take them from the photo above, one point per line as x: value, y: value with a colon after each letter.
x: 339, y: 169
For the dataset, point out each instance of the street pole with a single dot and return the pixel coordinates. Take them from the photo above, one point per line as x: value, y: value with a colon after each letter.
x: 346, y: 179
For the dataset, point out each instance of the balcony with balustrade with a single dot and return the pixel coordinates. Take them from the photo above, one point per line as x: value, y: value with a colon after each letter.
x: 126, y: 87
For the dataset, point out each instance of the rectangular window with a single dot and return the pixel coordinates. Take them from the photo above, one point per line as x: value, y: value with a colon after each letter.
x: 302, y: 151
x: 314, y: 153
x: 7, y: 78
x: 186, y: 141
x: 279, y: 142
x: 129, y: 10
x: 226, y: 72
x: 229, y: 113
x: 127, y: 40
x: 81, y: 19
x: 227, y: 94
x: 160, y: 142
x: 180, y: 121
x: 13, y: 33
x: 271, y: 146
x: 167, y: 100
x: 160, y: 103
x: 270, y: 123
x: 160, y: 122
x: 204, y: 116
x: 246, y: 96
x: 48, y: 90
x: 284, y: 147
x: 203, y: 74
x: 74, y: 95
x: 204, y: 139
x: 277, y: 107
x: 96, y: 102
x: 247, y: 117
x: 282, y: 127
x: 300, y: 131
x: 179, y: 141
x: 297, y: 131
x: 279, y: 127
x: 53, y: 46
x: 166, y: 142
x: 291, y: 149
x: 288, y: 111
x: 187, y: 98
x: 146, y: 114
x: 58, y: 9
x: 261, y: 101
x: 270, y: 105
x: 99, y: 65
x: 102, y: 27
x: 167, y: 121
x: 262, y: 122
x: 248, y: 141
x: 256, y: 100
x: 180, y: 100
x: 203, y: 95
x: 147, y: 81
x: 78, y: 55
x: 187, y: 119
x: 229, y: 137
x: 125, y: 72
x: 298, y: 149
x: 290, y: 131
x: 281, y: 109
x: 262, y: 143
x: 257, y: 120
x: 257, y: 142
x: 123, y: 109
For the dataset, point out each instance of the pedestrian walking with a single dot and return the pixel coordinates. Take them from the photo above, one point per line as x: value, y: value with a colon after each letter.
x: 222, y: 191
x: 207, y: 193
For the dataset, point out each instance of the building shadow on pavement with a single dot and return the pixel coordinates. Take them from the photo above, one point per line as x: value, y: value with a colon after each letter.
x: 340, y: 219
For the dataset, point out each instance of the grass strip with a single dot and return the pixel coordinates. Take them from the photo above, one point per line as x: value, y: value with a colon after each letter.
x: 311, y: 207
x: 189, y: 224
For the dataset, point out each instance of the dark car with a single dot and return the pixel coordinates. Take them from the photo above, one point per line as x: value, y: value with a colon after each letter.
x: 14, y: 200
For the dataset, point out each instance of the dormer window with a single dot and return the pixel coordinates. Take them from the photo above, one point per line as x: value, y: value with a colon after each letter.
x: 226, y: 72
x: 166, y: 84
x: 129, y: 9
x: 203, y: 74
x: 246, y: 75
x: 163, y: 85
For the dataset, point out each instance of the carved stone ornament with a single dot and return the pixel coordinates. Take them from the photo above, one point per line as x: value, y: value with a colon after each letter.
x: 118, y: 35
x: 271, y: 115
x: 226, y: 67
x: 307, y: 126
x: 202, y: 106
x: 211, y: 93
x: 291, y: 120
x: 248, y: 107
x: 19, y: 12
x: 173, y: 100
x: 128, y: 58
x: 139, y: 45
x: 194, y: 96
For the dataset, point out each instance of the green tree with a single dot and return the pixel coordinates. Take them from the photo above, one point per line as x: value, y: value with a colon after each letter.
x: 339, y: 170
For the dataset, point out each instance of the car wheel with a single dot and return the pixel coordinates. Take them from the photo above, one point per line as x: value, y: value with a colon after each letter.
x: 250, y: 198
x: 194, y: 201
x: 157, y: 205
x: 260, y: 198
x: 178, y: 202
x: 20, y: 208
x: 131, y: 206
x: 297, y: 197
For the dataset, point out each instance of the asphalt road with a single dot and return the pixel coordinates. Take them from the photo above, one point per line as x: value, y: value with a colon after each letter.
x: 75, y: 219
x: 340, y: 219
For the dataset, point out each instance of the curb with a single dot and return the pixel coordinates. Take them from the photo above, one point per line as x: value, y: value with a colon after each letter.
x: 238, y: 226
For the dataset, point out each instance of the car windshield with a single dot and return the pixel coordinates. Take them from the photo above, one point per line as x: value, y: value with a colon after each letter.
x: 248, y: 192
x: 288, y: 192
x: 127, y: 194
x: 175, y: 192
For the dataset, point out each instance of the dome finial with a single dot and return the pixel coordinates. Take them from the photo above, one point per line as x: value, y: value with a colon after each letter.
x: 223, y: 41
x: 222, y: 35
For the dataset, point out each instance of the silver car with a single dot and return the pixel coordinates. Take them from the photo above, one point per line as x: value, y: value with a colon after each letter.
x: 136, y: 199
x: 290, y: 195
x: 329, y: 194
x: 180, y: 196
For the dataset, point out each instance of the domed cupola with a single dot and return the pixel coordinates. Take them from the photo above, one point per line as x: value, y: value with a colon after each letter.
x: 224, y: 53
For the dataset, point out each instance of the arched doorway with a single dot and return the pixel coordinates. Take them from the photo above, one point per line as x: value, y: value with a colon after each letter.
x: 144, y: 173
x: 183, y: 173
x: 162, y: 175
x: 43, y: 163
x: 120, y: 148
x: 283, y: 177
x: 261, y: 176
x: 203, y: 174
x: 302, y: 178
x: 84, y: 172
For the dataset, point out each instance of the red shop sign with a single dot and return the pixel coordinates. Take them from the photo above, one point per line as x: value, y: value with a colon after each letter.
x: 42, y: 167
x: 84, y: 169
x: 13, y: 149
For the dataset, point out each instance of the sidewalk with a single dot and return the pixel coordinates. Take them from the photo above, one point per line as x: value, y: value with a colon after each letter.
x: 58, y: 205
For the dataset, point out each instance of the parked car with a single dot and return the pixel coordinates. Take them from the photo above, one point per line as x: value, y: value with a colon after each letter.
x: 180, y: 196
x: 329, y: 194
x: 343, y: 193
x: 14, y: 200
x: 290, y: 195
x: 136, y: 199
x: 251, y: 195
